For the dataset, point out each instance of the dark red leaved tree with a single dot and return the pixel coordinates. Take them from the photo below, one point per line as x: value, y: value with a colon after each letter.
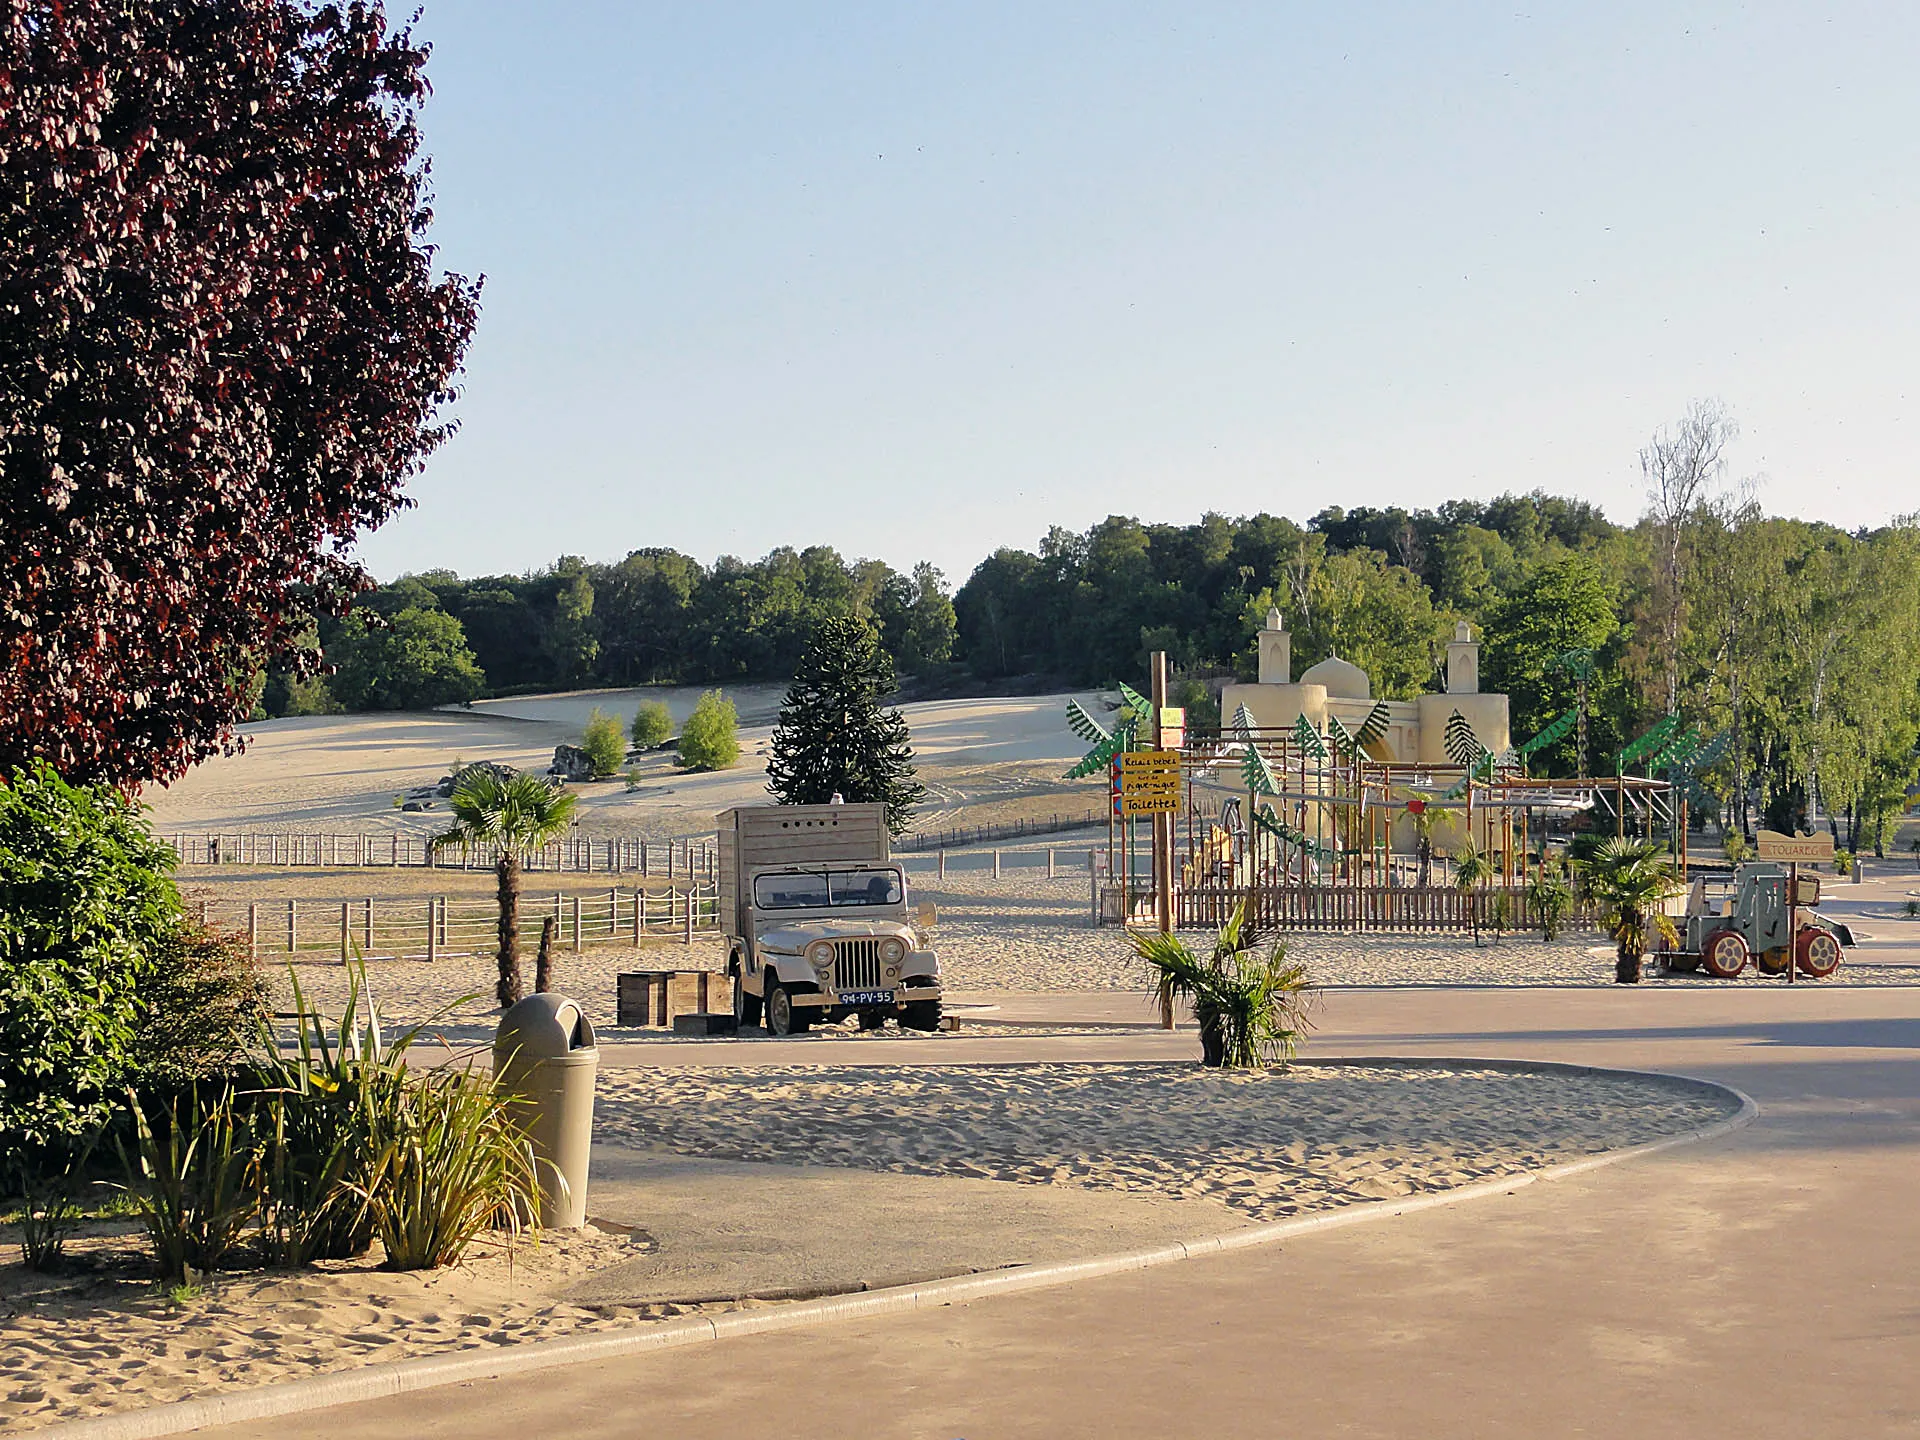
x: 223, y: 347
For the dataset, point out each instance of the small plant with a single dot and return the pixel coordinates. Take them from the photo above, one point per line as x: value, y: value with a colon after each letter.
x: 1252, y: 1009
x: 1843, y: 862
x: 1631, y: 880
x: 191, y: 1177
x: 710, y: 739
x: 1911, y: 909
x: 183, y: 1294
x: 1472, y: 868
x: 632, y: 777
x: 450, y: 1162
x: 604, y: 742
x: 1739, y: 849
x: 49, y: 1205
x: 1551, y: 898
x: 652, y: 724
x: 1502, y: 914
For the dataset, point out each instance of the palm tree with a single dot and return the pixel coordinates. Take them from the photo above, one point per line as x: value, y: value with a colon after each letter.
x: 1472, y: 868
x: 1631, y: 879
x: 1427, y: 818
x: 513, y: 815
x: 1251, y: 1009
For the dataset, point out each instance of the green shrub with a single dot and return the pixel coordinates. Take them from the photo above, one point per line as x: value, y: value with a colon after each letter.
x: 652, y: 724
x: 203, y: 1005
x: 449, y: 1163
x: 604, y: 742
x: 1251, y: 1009
x: 191, y: 1177
x: 710, y: 739
x: 87, y: 907
x: 1738, y: 849
x: 1551, y: 898
x: 1843, y: 862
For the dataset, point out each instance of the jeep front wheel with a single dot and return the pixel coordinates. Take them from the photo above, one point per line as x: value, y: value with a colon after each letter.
x: 783, y: 1018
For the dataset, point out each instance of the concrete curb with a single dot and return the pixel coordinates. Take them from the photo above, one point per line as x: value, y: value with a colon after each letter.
x: 401, y: 1377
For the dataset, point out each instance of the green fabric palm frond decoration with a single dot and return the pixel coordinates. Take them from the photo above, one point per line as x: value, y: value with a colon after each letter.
x: 1374, y: 727
x: 1241, y: 730
x: 1556, y: 731
x: 1308, y: 739
x: 1084, y: 725
x: 1101, y: 756
x: 1136, y: 702
x: 1257, y: 774
x: 1345, y: 743
x: 1463, y: 746
x: 1280, y: 830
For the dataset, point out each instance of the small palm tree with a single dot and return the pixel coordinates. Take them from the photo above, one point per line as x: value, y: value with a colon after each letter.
x: 514, y: 815
x: 1472, y: 868
x: 1251, y: 1009
x: 1550, y: 897
x: 1631, y: 879
x: 1427, y: 818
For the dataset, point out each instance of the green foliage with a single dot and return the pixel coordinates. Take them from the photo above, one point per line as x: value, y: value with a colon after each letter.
x: 1739, y: 849
x: 1568, y: 605
x: 710, y: 740
x: 605, y: 743
x: 1843, y: 862
x: 49, y: 1183
x: 1252, y: 1009
x: 413, y: 660
x: 449, y: 1163
x: 509, y: 814
x: 204, y: 1001
x: 836, y: 737
x: 1550, y: 897
x: 190, y: 1176
x: 1631, y: 879
x: 87, y: 907
x: 652, y: 724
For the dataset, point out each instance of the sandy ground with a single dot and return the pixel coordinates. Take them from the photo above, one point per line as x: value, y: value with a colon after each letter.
x: 1268, y: 1144
x: 102, y: 1335
x: 1231, y: 1148
x: 993, y: 760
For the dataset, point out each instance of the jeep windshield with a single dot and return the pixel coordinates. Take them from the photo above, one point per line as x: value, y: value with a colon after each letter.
x: 827, y: 889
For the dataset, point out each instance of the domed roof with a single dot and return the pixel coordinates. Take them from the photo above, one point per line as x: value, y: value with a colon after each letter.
x: 1341, y: 677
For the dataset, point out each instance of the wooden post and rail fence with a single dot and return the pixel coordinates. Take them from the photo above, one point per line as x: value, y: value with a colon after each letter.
x: 684, y: 860
x: 440, y: 927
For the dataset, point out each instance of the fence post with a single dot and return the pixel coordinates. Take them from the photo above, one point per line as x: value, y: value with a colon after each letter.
x: 943, y: 864
x: 344, y: 904
x: 643, y: 859
x: 639, y: 903
x: 432, y: 927
x: 1049, y: 862
x: 576, y: 920
x: 689, y: 916
x: 253, y: 929
x: 996, y: 864
x: 293, y: 927
x: 369, y: 925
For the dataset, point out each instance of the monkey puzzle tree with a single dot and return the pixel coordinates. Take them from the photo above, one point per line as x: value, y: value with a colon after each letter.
x: 223, y: 347
x: 834, y: 736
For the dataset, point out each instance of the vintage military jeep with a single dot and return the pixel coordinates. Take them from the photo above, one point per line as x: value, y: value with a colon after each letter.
x: 816, y: 919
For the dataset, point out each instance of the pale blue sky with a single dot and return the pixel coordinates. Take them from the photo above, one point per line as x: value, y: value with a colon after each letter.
x: 920, y: 281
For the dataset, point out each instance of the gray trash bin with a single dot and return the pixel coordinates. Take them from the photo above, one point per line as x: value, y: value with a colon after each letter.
x: 544, y: 1056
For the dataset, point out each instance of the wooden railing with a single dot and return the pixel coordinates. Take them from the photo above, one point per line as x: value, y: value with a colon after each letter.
x: 577, y: 854
x: 1357, y: 907
x: 440, y: 926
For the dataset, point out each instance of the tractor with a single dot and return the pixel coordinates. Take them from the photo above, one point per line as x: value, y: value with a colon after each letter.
x: 1748, y: 919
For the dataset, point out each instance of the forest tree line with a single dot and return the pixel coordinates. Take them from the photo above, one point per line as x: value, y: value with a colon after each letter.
x: 1798, y: 639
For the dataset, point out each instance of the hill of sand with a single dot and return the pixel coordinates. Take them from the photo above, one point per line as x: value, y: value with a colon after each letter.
x: 983, y: 761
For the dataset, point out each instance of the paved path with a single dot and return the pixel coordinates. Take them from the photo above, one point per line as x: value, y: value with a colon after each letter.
x: 1767, y: 1284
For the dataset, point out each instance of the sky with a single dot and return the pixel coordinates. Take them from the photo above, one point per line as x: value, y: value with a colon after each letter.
x: 918, y: 282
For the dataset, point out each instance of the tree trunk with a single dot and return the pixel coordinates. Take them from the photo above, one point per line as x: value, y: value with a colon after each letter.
x: 543, y: 961
x: 507, y: 872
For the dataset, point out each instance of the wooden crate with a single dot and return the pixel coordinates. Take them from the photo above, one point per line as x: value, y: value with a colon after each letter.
x: 655, y: 997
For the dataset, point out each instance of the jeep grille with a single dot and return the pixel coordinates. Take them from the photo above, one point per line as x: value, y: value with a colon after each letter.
x: 856, y: 965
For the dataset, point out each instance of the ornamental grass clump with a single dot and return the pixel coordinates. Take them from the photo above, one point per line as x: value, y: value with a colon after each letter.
x: 1252, y: 1009
x: 190, y: 1176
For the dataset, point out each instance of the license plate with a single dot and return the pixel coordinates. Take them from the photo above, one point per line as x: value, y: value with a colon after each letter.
x: 866, y: 997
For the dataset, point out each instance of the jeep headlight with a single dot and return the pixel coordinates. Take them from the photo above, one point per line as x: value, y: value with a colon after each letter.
x: 820, y: 954
x: 893, y: 950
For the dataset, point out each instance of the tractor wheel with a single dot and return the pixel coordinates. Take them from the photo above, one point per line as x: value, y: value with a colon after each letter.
x: 1724, y: 955
x: 1816, y: 951
x: 1774, y: 962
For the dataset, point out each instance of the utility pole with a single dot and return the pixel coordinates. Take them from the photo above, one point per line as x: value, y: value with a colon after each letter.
x: 1162, y: 828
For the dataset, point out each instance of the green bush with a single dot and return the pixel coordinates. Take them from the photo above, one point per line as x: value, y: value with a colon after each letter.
x: 1551, y: 898
x: 191, y: 1177
x: 652, y: 724
x: 604, y: 742
x: 710, y: 739
x: 1843, y: 862
x: 203, y: 1005
x: 87, y: 912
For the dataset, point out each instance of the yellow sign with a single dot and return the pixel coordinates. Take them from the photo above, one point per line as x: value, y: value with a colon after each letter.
x: 1775, y: 846
x: 1150, y: 782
